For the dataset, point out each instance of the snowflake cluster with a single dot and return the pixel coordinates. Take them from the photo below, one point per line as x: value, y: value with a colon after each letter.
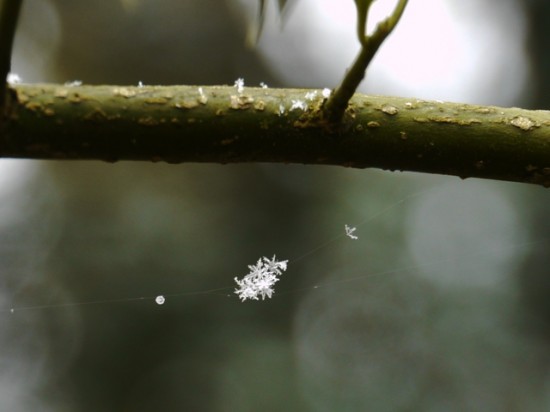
x: 261, y: 278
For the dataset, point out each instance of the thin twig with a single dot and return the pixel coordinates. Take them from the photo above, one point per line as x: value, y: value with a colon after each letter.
x: 9, y: 14
x: 337, y: 103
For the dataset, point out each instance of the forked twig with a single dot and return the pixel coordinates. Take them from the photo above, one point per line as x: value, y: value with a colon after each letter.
x: 336, y: 105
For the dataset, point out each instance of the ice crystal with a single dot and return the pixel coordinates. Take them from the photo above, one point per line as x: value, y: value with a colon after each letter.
x: 202, y: 99
x: 74, y: 83
x: 13, y: 78
x: 349, y: 232
x: 260, y: 279
x: 298, y: 104
x: 239, y: 85
x: 311, y: 95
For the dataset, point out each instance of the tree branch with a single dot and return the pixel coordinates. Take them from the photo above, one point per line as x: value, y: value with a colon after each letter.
x: 220, y: 125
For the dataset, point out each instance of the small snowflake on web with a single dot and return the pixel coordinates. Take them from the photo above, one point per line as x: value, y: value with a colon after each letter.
x: 350, y: 231
x: 261, y: 279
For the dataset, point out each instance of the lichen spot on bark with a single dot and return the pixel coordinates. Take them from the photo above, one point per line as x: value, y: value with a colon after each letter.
x: 241, y: 102
x: 522, y: 122
x: 388, y: 109
x: 124, y: 92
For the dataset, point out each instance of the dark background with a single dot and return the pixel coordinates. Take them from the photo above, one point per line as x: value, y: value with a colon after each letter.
x: 442, y: 303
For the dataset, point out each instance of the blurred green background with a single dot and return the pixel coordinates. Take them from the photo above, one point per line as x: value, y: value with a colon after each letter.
x: 441, y: 304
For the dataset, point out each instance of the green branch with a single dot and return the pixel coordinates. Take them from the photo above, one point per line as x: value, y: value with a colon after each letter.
x: 220, y: 125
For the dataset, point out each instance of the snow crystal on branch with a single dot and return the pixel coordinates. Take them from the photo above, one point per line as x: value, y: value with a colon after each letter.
x: 202, y: 99
x: 261, y: 279
x: 73, y: 83
x: 298, y: 104
x: 239, y: 85
x: 13, y: 78
x: 311, y: 95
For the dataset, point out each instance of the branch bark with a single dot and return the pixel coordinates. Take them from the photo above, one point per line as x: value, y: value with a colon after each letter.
x: 223, y: 125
